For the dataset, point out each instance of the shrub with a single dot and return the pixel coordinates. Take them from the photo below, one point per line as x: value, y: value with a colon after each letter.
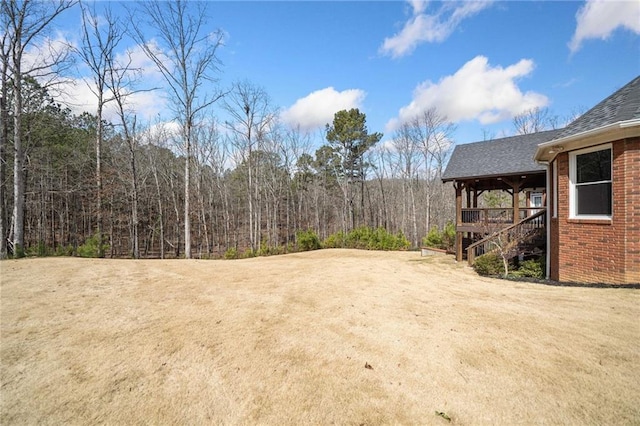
x: 264, y: 250
x: 40, y: 250
x: 267, y: 250
x: 307, y: 240
x: 92, y: 248
x: 449, y: 236
x: 337, y: 240
x: 231, y: 253
x: 368, y: 238
x: 488, y: 264
x: 534, y: 268
x: 64, y: 251
x: 18, y: 251
x: 248, y: 253
x: 444, y: 239
x: 434, y: 238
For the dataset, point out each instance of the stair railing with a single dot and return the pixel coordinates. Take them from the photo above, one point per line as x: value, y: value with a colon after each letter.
x: 507, y: 236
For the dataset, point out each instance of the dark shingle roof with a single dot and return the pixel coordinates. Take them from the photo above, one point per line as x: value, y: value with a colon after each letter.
x: 498, y: 157
x: 623, y: 105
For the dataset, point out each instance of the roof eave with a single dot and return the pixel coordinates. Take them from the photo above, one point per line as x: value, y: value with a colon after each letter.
x: 495, y: 176
x: 547, y: 151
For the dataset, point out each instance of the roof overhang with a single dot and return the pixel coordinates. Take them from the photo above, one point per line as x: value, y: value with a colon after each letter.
x: 522, y: 174
x: 529, y: 179
x: 547, y: 151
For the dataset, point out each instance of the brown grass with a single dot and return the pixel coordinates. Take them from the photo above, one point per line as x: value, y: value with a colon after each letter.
x: 285, y: 340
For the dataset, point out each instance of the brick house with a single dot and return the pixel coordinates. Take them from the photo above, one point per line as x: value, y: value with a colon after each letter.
x: 585, y: 179
x: 593, y: 188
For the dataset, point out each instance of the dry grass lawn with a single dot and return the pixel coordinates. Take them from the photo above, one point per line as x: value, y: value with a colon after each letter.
x: 285, y: 340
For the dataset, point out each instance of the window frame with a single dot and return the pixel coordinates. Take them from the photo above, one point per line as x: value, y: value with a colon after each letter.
x: 554, y: 183
x: 573, y: 172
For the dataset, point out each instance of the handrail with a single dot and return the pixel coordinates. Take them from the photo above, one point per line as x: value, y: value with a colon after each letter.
x: 486, y: 215
x: 489, y: 238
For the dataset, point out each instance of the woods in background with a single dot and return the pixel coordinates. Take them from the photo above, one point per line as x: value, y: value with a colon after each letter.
x: 194, y: 186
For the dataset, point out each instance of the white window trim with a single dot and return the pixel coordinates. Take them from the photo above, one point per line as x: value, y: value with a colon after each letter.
x: 573, y: 177
x: 555, y: 188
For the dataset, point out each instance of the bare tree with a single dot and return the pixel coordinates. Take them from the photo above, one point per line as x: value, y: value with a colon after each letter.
x: 504, y: 242
x: 25, y: 24
x: 535, y: 120
x: 407, y: 150
x: 99, y: 41
x: 295, y: 144
x: 433, y: 132
x: 186, y: 56
x: 251, y: 115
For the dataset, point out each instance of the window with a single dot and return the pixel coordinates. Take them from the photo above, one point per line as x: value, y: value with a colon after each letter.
x: 590, y: 176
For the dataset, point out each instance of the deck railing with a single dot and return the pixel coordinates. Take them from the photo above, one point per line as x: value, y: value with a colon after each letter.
x: 509, y: 236
x: 488, y: 216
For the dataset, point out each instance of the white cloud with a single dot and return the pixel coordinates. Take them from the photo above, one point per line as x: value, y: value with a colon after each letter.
x: 318, y: 108
x: 46, y: 60
x: 79, y: 97
x: 600, y: 18
x: 477, y: 91
x: 147, y: 104
x: 136, y: 59
x: 418, y: 6
x: 436, y: 27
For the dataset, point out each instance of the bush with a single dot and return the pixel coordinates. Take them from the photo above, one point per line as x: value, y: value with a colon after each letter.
x: 231, y: 253
x: 266, y: 250
x: 534, y: 268
x: 488, y: 264
x: 248, y: 253
x: 368, y: 238
x: 307, y: 240
x: 92, y: 248
x: 444, y: 239
x: 18, y: 252
x: 434, y: 238
x: 337, y: 240
x: 40, y: 250
x: 449, y: 236
x: 64, y: 251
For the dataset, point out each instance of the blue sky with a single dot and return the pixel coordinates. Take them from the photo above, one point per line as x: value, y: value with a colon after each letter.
x: 476, y: 62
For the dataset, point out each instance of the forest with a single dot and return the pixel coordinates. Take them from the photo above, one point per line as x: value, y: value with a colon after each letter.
x: 196, y: 186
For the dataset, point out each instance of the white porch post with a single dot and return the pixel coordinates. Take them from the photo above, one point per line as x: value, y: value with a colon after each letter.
x: 548, y: 219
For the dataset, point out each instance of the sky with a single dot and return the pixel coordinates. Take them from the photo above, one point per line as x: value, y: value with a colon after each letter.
x: 477, y: 62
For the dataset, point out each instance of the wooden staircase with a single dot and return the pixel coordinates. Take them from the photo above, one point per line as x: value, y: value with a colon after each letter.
x: 523, y: 238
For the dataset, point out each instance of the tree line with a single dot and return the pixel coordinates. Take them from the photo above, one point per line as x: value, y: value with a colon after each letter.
x: 195, y: 186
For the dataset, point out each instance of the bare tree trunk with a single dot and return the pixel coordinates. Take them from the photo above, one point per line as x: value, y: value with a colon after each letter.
x: 134, y: 197
x: 99, y: 178
x: 160, y: 206
x: 187, y: 193
x: 18, y: 172
x: 4, y: 139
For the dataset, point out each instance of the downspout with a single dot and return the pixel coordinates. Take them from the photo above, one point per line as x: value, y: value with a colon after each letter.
x: 548, y: 217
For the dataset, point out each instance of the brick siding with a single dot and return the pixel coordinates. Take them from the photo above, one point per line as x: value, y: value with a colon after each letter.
x: 591, y: 251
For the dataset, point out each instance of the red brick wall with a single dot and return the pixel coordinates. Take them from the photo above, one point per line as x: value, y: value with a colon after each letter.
x: 600, y: 251
x: 632, y: 221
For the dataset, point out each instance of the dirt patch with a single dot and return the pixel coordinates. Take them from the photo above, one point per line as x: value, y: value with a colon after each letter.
x: 333, y: 336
